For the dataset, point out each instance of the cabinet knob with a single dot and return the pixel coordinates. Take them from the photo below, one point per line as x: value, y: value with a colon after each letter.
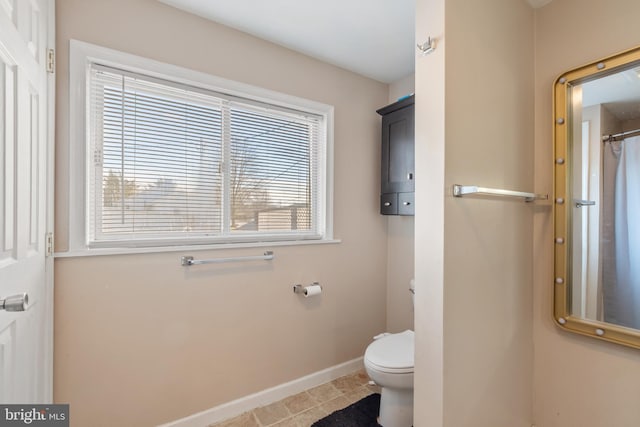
x: 406, y: 203
x: 410, y: 176
x: 387, y: 204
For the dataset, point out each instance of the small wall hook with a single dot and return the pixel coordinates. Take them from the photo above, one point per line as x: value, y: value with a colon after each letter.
x: 428, y: 46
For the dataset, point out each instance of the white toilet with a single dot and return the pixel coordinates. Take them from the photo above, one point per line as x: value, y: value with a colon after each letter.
x: 389, y: 363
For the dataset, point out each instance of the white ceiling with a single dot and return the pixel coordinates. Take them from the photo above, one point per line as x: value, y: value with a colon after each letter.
x: 374, y: 38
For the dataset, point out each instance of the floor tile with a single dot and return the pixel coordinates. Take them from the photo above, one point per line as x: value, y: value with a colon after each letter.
x: 336, y: 404
x: 306, y: 418
x: 361, y: 376
x: 271, y: 414
x: 245, y: 420
x: 324, y: 392
x: 299, y: 402
x: 374, y: 388
x: 358, y: 394
x: 289, y: 422
x: 347, y: 383
x: 305, y: 408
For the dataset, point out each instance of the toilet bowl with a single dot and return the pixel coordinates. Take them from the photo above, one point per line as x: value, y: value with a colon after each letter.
x: 389, y: 363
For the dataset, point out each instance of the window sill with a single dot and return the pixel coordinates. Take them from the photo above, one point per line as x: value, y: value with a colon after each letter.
x: 190, y: 248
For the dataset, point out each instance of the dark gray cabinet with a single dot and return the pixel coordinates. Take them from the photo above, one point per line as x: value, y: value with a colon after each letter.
x: 397, y: 167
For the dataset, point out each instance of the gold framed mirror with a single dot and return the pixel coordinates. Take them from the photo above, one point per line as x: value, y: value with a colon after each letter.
x: 596, y: 204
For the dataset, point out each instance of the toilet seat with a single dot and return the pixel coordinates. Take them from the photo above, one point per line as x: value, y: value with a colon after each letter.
x: 392, y: 353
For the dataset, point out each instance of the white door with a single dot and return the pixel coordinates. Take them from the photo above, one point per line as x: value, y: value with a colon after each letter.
x: 26, y: 88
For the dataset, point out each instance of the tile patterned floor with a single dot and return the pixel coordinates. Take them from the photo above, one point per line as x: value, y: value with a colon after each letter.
x: 303, y: 409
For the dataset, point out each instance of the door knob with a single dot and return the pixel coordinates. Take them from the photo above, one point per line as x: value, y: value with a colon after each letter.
x: 15, y: 302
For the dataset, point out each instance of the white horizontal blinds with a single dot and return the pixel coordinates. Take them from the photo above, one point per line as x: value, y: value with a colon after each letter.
x: 171, y: 162
x: 272, y: 170
x: 156, y: 151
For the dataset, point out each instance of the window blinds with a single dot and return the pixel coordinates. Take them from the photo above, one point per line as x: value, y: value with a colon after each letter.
x: 170, y: 162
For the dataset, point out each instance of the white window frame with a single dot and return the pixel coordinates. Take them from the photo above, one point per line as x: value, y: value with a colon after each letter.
x: 82, y: 55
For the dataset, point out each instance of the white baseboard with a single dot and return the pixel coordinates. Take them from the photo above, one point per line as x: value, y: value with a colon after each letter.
x: 265, y: 397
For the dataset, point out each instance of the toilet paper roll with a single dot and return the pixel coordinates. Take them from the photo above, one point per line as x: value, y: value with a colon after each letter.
x: 312, y: 290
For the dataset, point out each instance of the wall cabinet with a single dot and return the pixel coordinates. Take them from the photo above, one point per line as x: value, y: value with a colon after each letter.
x: 397, y: 166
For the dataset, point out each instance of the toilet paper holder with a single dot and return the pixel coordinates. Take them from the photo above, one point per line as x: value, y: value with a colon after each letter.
x: 299, y: 289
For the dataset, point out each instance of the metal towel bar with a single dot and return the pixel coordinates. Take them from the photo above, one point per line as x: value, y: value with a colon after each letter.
x: 580, y: 203
x: 461, y: 190
x: 188, y: 260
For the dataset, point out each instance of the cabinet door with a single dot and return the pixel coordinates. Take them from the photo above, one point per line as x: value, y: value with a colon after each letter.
x: 398, y: 151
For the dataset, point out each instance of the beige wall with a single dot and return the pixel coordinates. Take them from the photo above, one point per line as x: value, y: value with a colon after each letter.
x: 159, y: 342
x: 578, y: 381
x: 483, y: 332
x: 429, y: 219
x: 488, y: 252
x: 400, y: 271
x: 630, y: 125
x: 400, y: 242
x: 140, y: 340
x: 403, y: 87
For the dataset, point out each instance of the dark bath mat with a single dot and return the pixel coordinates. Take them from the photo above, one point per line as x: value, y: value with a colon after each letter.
x: 363, y: 413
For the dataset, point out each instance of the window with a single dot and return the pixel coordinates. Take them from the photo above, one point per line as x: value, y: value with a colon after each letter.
x: 175, y: 163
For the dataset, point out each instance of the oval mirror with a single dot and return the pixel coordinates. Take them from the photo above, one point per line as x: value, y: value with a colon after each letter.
x: 597, y: 199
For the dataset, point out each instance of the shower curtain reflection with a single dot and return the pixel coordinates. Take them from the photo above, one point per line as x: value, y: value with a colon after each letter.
x: 621, y: 290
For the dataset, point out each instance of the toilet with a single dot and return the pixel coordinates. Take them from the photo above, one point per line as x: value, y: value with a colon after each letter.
x: 388, y: 361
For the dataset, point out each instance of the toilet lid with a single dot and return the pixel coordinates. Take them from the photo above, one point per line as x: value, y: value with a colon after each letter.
x: 392, y: 353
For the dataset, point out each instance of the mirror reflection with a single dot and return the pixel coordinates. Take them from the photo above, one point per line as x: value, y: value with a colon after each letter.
x: 604, y: 154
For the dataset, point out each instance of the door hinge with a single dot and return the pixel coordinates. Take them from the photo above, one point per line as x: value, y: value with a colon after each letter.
x: 51, y: 61
x: 49, y: 244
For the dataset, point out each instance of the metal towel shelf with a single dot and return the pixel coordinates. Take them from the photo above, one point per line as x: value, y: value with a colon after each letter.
x: 188, y: 260
x: 462, y: 190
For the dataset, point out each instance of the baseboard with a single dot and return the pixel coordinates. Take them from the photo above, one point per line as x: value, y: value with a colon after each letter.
x: 265, y: 397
